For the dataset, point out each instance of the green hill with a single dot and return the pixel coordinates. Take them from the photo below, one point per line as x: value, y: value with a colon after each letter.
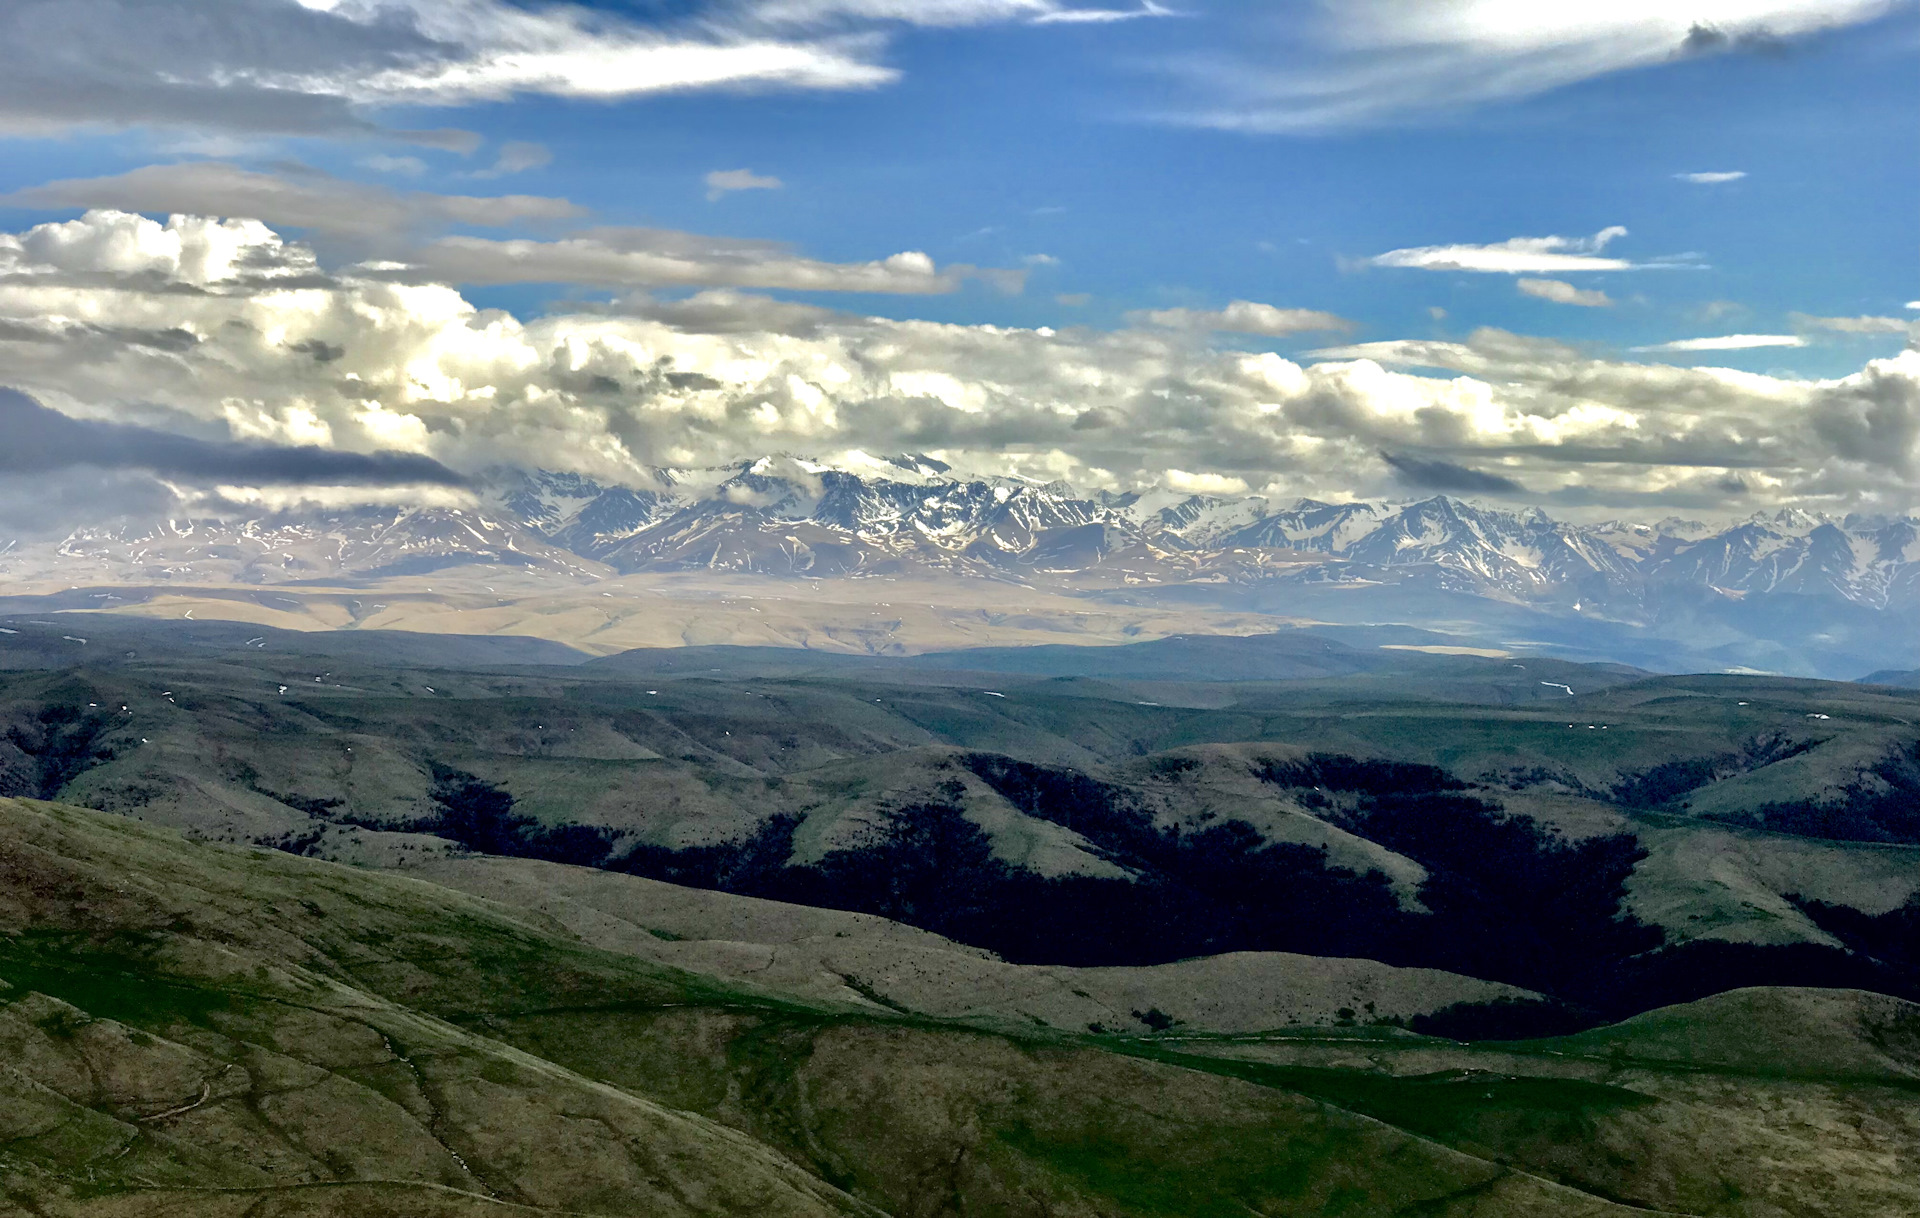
x: 194, y: 1029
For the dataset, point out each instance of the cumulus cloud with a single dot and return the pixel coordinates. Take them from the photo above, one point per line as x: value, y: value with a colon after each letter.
x: 723, y: 182
x: 1711, y: 178
x: 139, y: 329
x: 1729, y: 342
x: 1561, y: 292
x: 398, y: 228
x: 1364, y: 62
x: 1245, y: 317
x: 1514, y: 256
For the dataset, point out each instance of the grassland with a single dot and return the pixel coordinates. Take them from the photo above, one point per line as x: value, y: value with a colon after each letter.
x: 194, y: 1029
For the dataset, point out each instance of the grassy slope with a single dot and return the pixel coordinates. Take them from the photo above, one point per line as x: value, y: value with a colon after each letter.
x: 318, y: 1040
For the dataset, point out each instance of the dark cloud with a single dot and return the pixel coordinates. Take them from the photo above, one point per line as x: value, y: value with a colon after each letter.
x: 209, y: 64
x: 296, y: 195
x: 1429, y: 475
x: 40, y: 440
x: 1704, y: 39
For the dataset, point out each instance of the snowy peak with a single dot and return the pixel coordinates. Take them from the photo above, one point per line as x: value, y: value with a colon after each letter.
x: 860, y: 514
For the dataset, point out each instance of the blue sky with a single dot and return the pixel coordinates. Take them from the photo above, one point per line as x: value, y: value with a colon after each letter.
x: 1004, y: 141
x: 1136, y: 166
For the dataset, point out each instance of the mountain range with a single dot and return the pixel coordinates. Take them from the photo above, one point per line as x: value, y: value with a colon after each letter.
x: 1786, y: 591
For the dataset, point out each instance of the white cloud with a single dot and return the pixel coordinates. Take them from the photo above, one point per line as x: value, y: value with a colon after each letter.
x: 174, y: 326
x: 642, y: 257
x: 1560, y: 292
x: 268, y: 66
x: 1246, y: 317
x: 397, y: 229
x: 1103, y: 16
x: 1729, y: 342
x: 723, y: 182
x: 1515, y: 256
x: 1854, y: 325
x: 1359, y: 62
x: 945, y: 13
x: 1711, y: 179
x: 517, y: 156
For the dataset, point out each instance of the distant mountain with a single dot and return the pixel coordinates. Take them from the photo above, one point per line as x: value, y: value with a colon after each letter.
x: 1784, y: 591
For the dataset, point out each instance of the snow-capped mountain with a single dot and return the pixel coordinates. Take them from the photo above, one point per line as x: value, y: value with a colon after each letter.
x: 785, y: 516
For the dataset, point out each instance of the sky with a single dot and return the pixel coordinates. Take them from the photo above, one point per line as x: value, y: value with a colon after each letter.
x: 1612, y: 258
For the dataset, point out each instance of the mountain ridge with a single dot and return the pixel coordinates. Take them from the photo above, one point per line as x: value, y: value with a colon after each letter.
x: 785, y: 516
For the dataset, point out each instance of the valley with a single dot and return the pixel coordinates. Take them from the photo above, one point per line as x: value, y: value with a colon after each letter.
x: 335, y: 923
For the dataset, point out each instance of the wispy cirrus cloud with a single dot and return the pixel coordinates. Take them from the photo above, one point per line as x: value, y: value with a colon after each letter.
x: 1854, y: 325
x: 645, y: 258
x: 1560, y: 292
x: 1727, y: 342
x: 1104, y: 16
x: 723, y: 182
x: 1714, y: 178
x: 1515, y: 256
x: 1245, y: 317
x: 297, y: 198
x: 328, y: 67
x: 1337, y: 64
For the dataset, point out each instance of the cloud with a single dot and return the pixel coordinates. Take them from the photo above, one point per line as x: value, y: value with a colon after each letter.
x: 1445, y: 476
x: 298, y: 198
x: 517, y: 156
x: 325, y: 69
x: 723, y: 182
x: 411, y: 166
x: 135, y: 326
x: 944, y: 13
x: 1854, y: 325
x: 1565, y: 293
x: 1515, y: 256
x: 646, y: 257
x: 1356, y: 63
x: 1246, y: 317
x: 40, y: 440
x: 1103, y: 16
x: 399, y: 227
x: 1729, y: 342
x: 1711, y: 179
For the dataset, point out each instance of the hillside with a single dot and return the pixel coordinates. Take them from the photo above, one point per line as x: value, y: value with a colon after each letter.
x: 1634, y: 843
x: 196, y: 1029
